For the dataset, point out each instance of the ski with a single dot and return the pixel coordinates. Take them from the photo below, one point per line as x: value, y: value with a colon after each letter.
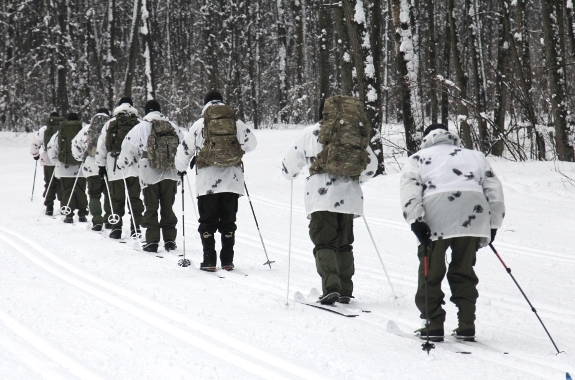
x: 216, y: 274
x: 315, y: 294
x: 474, y: 343
x: 393, y: 328
x: 299, y: 298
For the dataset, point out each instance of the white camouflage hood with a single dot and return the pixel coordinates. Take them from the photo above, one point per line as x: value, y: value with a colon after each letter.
x: 440, y: 136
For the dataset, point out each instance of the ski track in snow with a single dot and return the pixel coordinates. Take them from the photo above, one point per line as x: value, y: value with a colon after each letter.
x: 217, y: 343
x: 92, y: 285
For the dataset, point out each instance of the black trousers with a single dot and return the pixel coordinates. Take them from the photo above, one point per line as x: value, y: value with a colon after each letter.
x: 218, y: 213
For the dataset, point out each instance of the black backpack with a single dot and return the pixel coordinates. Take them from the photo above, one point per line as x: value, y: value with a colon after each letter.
x: 118, y: 129
x: 68, y: 130
x: 52, y: 126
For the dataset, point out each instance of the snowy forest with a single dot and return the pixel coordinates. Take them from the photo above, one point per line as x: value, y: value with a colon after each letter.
x: 500, y: 70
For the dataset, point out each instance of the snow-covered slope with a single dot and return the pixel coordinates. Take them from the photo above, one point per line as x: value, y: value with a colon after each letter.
x: 77, y: 305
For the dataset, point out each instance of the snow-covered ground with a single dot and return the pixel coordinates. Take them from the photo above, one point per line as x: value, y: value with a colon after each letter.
x: 77, y: 305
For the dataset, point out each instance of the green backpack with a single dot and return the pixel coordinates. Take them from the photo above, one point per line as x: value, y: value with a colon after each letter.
x: 118, y: 129
x: 162, y: 145
x: 93, y: 134
x: 344, y: 134
x: 52, y: 126
x: 68, y: 130
x: 221, y: 146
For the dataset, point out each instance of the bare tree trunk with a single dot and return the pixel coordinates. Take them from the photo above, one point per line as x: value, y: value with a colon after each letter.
x: 478, y: 75
x: 403, y: 31
x: 446, y: 72
x: 431, y: 64
x: 523, y: 71
x: 61, y: 58
x: 148, y: 51
x: 460, y: 78
x: 133, y: 46
x: 324, y: 48
x: 556, y: 70
x: 345, y: 61
x: 282, y: 55
x: 109, y: 59
x: 500, y: 73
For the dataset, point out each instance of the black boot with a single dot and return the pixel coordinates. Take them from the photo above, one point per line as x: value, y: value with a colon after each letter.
x: 209, y: 247
x: 227, y: 252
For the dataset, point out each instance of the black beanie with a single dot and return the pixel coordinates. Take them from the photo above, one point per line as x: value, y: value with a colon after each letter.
x: 127, y: 100
x: 151, y: 106
x: 54, y: 114
x: 103, y: 110
x: 320, y: 111
x: 433, y: 127
x: 73, y: 116
x: 213, y: 95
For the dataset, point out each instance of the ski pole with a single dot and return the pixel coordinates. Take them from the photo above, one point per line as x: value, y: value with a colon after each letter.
x: 65, y: 210
x: 193, y: 198
x: 46, y: 194
x: 379, y: 256
x: 289, y: 245
x: 427, y: 346
x: 34, y: 183
x: 257, y: 225
x: 113, y: 218
x: 183, y: 262
x: 524, y: 295
x: 137, y: 235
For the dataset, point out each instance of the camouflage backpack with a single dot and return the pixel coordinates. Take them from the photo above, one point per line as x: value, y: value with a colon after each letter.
x: 68, y: 130
x: 118, y: 129
x: 93, y: 133
x: 221, y: 146
x: 52, y: 126
x: 162, y: 145
x: 345, y: 134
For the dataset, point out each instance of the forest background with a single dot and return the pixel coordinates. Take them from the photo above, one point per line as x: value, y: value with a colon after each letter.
x: 501, y: 71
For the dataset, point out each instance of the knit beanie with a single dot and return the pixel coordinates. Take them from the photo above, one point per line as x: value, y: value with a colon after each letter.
x: 151, y: 106
x: 103, y: 110
x: 213, y: 95
x: 433, y: 127
x: 127, y: 100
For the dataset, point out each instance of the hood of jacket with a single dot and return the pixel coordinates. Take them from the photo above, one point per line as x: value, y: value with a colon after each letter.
x: 125, y: 107
x: 440, y: 136
x: 155, y: 115
x: 102, y: 117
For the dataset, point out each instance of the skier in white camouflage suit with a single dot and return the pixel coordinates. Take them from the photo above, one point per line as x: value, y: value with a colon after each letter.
x: 452, y: 198
x: 217, y: 187
x: 159, y: 184
x: 332, y: 202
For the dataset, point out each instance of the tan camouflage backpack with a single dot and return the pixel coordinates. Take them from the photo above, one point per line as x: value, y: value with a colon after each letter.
x: 344, y: 133
x: 221, y: 146
x: 162, y: 145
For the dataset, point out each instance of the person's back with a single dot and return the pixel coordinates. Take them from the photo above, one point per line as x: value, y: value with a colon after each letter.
x: 452, y: 200
x: 151, y: 147
x: 332, y: 200
x: 219, y: 175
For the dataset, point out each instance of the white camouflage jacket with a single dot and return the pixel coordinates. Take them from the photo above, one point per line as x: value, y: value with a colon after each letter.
x: 78, y: 148
x: 104, y: 158
x: 325, y: 191
x: 136, y: 143
x: 214, y: 179
x: 452, y: 189
x: 38, y: 148
x: 61, y: 170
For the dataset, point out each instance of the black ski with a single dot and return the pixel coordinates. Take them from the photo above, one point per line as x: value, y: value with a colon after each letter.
x: 393, y: 328
x: 315, y: 294
x: 474, y: 343
x: 299, y: 298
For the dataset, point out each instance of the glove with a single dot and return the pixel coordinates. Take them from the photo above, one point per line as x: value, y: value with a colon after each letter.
x: 182, y: 174
x: 422, y: 231
x: 37, y: 157
x: 193, y: 162
x: 493, y: 233
x: 102, y: 171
